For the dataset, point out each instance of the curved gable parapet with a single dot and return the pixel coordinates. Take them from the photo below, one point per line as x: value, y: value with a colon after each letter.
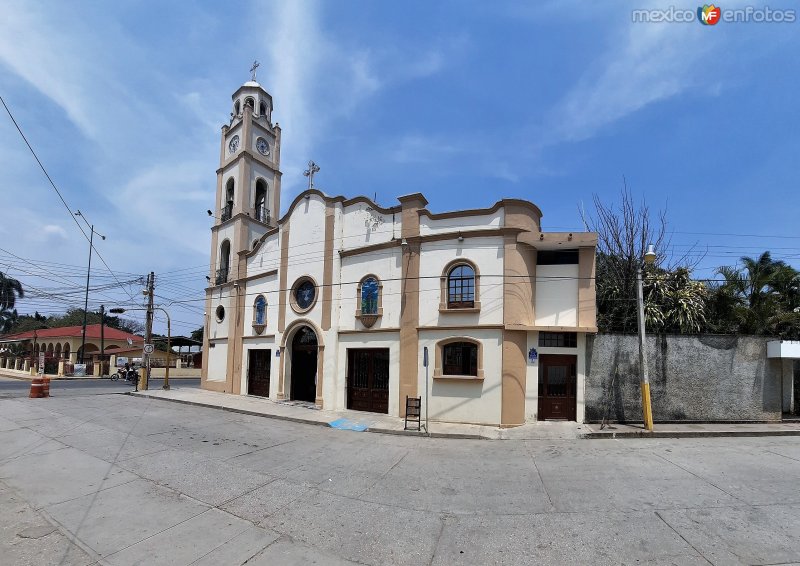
x: 336, y: 199
x: 523, y: 206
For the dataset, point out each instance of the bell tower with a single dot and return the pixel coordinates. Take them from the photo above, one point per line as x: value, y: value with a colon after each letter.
x: 248, y: 180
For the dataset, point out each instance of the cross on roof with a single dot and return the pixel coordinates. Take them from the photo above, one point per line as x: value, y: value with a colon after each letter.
x: 255, y: 66
x: 312, y: 168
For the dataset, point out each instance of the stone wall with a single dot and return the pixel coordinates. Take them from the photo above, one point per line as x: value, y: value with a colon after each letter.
x: 692, y: 378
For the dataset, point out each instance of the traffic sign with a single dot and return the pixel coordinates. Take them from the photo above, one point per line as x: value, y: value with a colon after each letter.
x: 149, y: 348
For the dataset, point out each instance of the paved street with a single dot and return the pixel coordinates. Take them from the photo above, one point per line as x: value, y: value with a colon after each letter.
x: 64, y: 387
x: 141, y: 481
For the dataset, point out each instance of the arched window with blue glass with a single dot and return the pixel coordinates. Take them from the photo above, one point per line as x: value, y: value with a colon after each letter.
x: 369, y: 300
x: 260, y: 311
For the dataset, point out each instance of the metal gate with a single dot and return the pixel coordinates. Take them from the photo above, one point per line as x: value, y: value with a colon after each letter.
x: 258, y: 372
x: 368, y: 380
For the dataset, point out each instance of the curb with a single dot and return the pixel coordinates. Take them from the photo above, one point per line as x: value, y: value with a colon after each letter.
x: 465, y: 436
x: 309, y: 421
x: 688, y: 434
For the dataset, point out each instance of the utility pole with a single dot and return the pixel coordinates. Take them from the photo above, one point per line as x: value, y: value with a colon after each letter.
x: 148, y: 333
x: 102, y: 340
x: 86, y: 300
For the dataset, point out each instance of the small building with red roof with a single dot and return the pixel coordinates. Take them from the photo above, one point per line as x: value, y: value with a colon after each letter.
x: 65, y: 343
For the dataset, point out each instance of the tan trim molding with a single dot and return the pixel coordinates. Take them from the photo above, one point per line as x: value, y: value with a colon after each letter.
x: 284, y: 268
x: 409, y: 300
x: 327, y: 268
x: 587, y: 299
x: 557, y: 240
x: 259, y: 337
x: 280, y: 395
x: 515, y: 345
x: 464, y: 327
x: 367, y: 331
x: 533, y: 328
x: 438, y: 363
x: 318, y: 400
x: 269, y: 273
x: 370, y: 248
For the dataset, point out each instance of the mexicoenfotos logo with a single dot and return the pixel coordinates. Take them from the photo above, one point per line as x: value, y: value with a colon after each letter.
x: 709, y: 15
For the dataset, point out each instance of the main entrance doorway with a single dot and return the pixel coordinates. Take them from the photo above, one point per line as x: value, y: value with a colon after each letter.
x: 258, y: 372
x: 368, y: 380
x: 557, y: 385
x: 304, y: 365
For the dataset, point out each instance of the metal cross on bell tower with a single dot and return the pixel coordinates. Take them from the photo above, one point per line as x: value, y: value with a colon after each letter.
x: 312, y: 169
x: 255, y: 66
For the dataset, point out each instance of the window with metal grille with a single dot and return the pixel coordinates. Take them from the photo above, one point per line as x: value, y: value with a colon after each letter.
x: 460, y: 358
x: 558, y: 339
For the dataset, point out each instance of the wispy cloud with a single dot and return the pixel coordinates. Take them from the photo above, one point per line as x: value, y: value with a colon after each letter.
x: 651, y: 63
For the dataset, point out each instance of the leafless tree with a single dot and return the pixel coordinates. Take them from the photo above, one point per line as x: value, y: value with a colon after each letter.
x: 623, y: 233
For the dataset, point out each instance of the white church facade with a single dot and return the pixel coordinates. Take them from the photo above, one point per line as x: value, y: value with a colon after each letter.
x: 335, y: 302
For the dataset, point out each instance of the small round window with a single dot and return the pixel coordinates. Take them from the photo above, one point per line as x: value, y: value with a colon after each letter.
x: 220, y: 312
x: 304, y: 295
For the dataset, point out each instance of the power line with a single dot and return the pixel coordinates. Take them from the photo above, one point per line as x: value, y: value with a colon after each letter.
x: 52, y: 184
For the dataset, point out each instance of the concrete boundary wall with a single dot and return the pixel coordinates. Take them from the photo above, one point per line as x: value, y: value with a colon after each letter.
x: 693, y: 378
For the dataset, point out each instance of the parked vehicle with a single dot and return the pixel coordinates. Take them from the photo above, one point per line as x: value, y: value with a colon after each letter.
x: 133, y: 376
x: 130, y: 375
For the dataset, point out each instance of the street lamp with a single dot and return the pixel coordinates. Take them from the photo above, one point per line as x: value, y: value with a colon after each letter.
x: 169, y: 338
x: 92, y: 232
x: 647, y: 411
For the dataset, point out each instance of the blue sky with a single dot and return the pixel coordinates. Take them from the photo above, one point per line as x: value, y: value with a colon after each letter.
x: 466, y: 102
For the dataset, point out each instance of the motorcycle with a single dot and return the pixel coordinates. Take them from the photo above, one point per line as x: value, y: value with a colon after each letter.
x: 131, y: 376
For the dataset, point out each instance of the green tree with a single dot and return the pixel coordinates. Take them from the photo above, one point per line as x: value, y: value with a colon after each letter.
x: 674, y: 302
x: 761, y: 297
x: 197, y: 334
x: 10, y: 291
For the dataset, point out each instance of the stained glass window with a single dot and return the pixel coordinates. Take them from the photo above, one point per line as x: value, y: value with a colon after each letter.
x: 369, y: 296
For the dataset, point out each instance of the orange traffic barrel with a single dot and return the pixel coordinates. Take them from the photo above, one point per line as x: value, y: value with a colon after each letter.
x: 46, y: 387
x: 36, y: 388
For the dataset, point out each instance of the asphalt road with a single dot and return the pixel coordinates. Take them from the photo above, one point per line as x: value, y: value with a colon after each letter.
x: 143, y: 481
x: 11, y: 388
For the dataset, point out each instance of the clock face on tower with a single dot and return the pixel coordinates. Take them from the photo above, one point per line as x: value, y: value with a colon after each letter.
x: 262, y: 146
x: 233, y: 145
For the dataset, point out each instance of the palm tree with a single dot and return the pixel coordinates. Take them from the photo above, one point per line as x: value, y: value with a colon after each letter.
x: 756, y: 299
x: 10, y: 291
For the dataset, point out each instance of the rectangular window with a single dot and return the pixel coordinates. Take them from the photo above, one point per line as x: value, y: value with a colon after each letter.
x: 557, y: 257
x: 558, y: 339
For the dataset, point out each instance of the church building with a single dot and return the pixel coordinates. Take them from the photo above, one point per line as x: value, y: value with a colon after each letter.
x: 337, y: 302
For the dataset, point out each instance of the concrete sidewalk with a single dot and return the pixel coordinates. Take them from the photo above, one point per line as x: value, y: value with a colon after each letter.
x: 357, y: 420
x: 692, y: 430
x: 385, y: 424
